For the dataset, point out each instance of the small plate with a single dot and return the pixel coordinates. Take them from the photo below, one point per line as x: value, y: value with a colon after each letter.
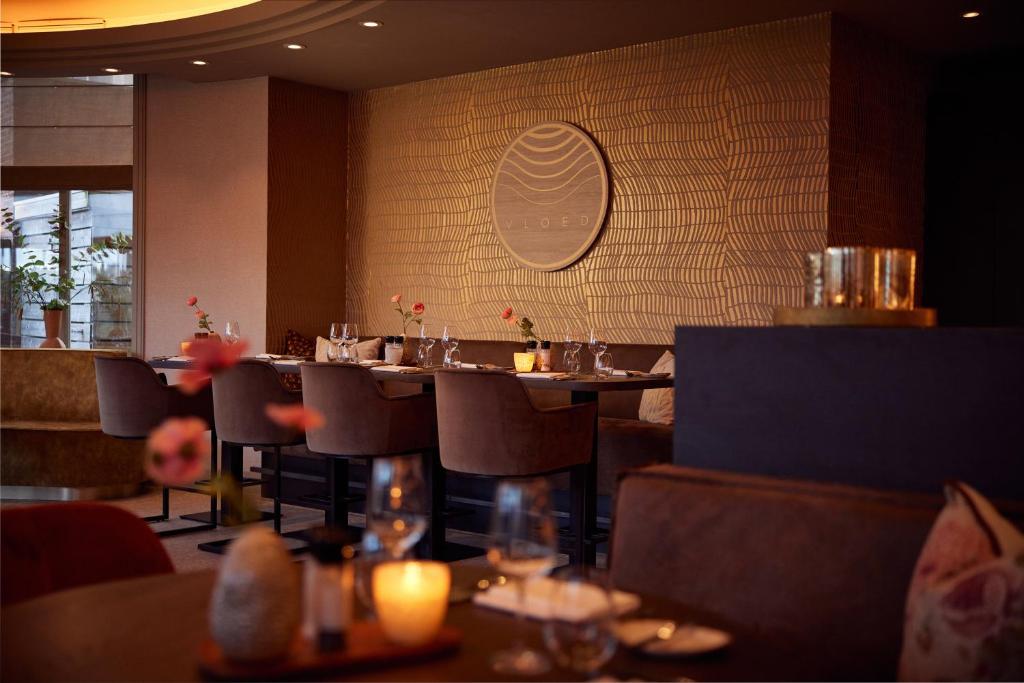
x: 687, y: 640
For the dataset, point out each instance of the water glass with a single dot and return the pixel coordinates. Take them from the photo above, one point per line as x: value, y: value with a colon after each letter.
x: 603, y: 366
x: 896, y: 279
x: 571, y: 362
x: 523, y: 545
x: 335, y: 336
x: 580, y: 629
x: 349, y: 337
x: 572, y: 339
x: 453, y: 359
x: 397, y: 512
x: 424, y: 355
x: 232, y: 332
x: 597, y: 346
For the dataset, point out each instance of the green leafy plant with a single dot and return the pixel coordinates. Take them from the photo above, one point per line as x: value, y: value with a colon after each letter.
x: 39, y: 281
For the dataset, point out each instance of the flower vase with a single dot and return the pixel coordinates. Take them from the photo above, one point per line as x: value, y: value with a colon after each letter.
x: 409, y: 349
x: 52, y: 318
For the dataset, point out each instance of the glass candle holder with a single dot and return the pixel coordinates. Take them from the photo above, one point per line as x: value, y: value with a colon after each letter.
x: 524, y: 361
x: 897, y: 272
x: 411, y: 599
x: 850, y: 275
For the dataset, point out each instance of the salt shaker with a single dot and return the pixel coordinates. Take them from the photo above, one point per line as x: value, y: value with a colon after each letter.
x: 544, y: 356
x: 330, y: 589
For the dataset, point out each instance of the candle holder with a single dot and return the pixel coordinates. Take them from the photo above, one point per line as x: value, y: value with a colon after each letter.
x: 411, y: 600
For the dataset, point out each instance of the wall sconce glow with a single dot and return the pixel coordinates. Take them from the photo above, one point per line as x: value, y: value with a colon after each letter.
x: 198, y: 62
x: 971, y: 15
x: 6, y: 73
x: 112, y: 70
x: 370, y: 24
x: 295, y: 46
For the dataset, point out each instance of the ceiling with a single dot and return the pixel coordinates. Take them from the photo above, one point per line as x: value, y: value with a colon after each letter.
x: 33, y: 15
x: 422, y: 39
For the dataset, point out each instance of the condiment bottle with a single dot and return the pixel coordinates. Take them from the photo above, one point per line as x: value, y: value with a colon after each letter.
x: 544, y: 356
x: 330, y: 589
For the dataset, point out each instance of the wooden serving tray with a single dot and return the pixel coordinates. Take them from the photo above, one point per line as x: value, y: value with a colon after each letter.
x: 367, y: 648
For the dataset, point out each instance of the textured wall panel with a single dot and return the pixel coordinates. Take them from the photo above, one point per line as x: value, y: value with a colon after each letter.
x: 717, y: 147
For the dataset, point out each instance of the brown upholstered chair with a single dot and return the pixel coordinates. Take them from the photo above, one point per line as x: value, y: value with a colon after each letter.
x: 240, y: 398
x: 489, y: 426
x: 133, y: 400
x: 361, y: 421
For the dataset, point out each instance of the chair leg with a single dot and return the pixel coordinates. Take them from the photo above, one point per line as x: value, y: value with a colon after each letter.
x: 213, y: 475
x: 277, y: 489
x: 577, y: 513
x: 435, y: 475
x: 337, y: 489
x: 166, y: 503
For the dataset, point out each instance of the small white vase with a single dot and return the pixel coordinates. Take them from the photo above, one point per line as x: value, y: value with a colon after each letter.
x: 255, y: 610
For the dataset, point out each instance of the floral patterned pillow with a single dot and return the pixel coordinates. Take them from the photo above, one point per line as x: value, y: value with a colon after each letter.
x: 296, y: 344
x: 964, y: 617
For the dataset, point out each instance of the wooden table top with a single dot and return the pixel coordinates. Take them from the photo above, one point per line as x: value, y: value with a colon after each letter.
x: 150, y: 629
x: 583, y: 383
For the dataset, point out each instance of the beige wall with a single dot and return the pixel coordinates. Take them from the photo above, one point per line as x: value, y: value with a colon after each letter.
x: 206, y: 208
x: 717, y: 146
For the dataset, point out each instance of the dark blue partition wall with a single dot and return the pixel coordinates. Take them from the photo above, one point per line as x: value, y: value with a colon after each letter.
x: 889, y: 408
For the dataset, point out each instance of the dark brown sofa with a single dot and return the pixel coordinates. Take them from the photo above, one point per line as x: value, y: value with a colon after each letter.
x: 823, y: 567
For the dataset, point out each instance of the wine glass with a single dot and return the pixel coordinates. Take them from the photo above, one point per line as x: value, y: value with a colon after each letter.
x: 573, y: 339
x: 580, y: 630
x: 597, y: 347
x: 336, y: 335
x: 426, y: 347
x: 398, y: 503
x: 349, y: 337
x: 523, y: 545
x: 450, y: 342
x: 232, y: 332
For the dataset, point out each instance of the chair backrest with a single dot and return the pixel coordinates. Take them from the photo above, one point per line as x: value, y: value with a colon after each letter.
x: 356, y: 410
x: 240, y: 398
x: 828, y: 566
x: 47, y: 548
x: 487, y: 425
x: 57, y: 385
x: 132, y: 398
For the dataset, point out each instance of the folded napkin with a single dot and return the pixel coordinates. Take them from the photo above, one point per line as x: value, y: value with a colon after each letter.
x: 540, y: 602
x: 398, y: 368
x: 540, y: 375
x: 289, y: 361
x: 183, y: 359
x: 646, y: 375
x: 372, y: 363
x: 280, y: 356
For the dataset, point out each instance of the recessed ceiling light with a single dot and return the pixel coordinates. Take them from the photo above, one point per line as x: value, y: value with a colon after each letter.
x: 6, y: 73
x: 370, y: 24
x: 294, y: 46
x: 112, y: 70
x: 198, y: 62
x: 971, y: 15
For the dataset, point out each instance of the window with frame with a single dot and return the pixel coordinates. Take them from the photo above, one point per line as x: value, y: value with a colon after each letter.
x: 67, y: 239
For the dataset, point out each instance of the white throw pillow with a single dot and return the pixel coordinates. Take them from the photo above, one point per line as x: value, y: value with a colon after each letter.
x: 658, y: 405
x: 365, y: 350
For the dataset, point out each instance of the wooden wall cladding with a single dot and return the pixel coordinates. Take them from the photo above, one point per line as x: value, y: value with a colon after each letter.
x: 717, y: 146
x: 307, y: 129
x: 876, y: 141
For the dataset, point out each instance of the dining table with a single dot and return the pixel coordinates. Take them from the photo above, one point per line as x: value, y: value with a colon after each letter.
x: 151, y: 629
x: 582, y: 389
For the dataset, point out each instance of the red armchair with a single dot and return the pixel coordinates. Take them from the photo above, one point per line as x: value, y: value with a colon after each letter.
x: 47, y: 548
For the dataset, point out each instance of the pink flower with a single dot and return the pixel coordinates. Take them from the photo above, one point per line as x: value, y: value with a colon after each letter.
x: 192, y: 300
x: 396, y: 298
x: 512, y: 320
x: 507, y: 313
x: 177, y: 450
x: 295, y: 416
x: 209, y: 356
x: 417, y: 308
x: 200, y: 313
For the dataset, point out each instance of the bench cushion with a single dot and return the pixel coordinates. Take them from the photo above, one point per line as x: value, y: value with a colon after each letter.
x: 50, y: 426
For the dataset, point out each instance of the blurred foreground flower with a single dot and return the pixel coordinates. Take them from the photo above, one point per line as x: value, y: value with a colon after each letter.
x: 209, y: 356
x: 295, y: 416
x: 177, y: 451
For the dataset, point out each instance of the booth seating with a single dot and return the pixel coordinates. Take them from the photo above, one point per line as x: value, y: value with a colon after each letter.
x: 53, y: 448
x: 623, y: 440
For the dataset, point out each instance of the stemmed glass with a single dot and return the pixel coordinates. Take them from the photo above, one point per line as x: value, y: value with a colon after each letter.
x: 349, y: 337
x: 426, y: 347
x: 397, y: 514
x: 580, y: 630
x: 597, y: 347
x: 450, y: 342
x: 336, y: 335
x: 523, y: 545
x: 232, y: 332
x: 572, y: 341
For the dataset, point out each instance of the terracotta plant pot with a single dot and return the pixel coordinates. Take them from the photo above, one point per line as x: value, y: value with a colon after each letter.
x: 52, y: 318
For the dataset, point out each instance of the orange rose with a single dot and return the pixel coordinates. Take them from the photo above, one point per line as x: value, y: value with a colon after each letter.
x: 192, y: 300
x: 417, y: 308
x: 507, y: 313
x: 396, y: 298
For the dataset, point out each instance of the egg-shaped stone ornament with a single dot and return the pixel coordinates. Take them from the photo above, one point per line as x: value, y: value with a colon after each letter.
x: 254, y: 610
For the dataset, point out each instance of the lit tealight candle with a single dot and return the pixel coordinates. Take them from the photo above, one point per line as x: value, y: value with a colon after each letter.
x: 411, y: 599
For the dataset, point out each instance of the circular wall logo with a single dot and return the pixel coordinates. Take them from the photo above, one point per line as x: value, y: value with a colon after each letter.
x: 549, y: 196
